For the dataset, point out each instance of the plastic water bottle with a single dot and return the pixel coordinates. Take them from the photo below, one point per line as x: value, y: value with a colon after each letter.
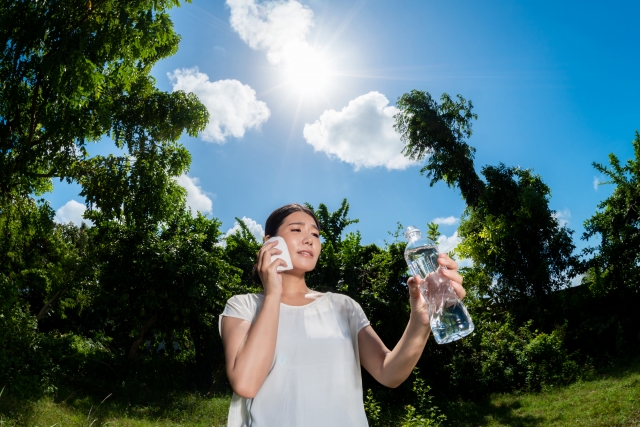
x: 448, y: 316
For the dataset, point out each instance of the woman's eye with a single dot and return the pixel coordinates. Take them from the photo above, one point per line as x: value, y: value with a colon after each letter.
x: 316, y: 235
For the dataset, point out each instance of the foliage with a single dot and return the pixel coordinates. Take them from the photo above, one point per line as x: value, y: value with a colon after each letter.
x: 241, y: 249
x: 433, y: 231
x: 425, y: 413
x: 74, y: 72
x: 42, y: 267
x: 438, y: 131
x: 373, y: 410
x: 614, y: 266
x: 501, y: 356
x: 514, y: 239
x: 518, y: 247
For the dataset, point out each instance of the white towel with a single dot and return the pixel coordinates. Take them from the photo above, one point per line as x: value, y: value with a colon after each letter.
x: 282, y: 245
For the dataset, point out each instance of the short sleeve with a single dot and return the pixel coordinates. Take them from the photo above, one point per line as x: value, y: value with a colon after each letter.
x: 245, y: 307
x: 358, y: 317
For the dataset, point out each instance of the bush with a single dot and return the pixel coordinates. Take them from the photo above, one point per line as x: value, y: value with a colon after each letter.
x: 501, y: 357
x: 25, y: 368
x: 425, y: 413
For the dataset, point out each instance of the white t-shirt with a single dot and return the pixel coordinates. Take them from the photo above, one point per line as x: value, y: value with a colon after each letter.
x: 315, y: 377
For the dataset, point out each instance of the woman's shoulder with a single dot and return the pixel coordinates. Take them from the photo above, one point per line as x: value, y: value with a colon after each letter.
x: 343, y: 300
x: 246, y: 300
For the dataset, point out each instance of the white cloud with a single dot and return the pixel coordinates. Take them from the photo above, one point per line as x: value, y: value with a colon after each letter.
x: 596, y: 183
x: 466, y: 262
x: 72, y: 211
x: 255, y: 229
x: 277, y: 27
x: 447, y: 244
x: 450, y: 220
x: 233, y: 107
x: 563, y: 217
x: 197, y: 200
x: 361, y: 134
x: 576, y: 281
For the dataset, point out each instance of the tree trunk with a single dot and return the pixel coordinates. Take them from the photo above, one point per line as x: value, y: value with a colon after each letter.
x: 133, y: 352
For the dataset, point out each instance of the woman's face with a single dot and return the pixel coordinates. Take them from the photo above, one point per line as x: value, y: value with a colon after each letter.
x: 302, y: 236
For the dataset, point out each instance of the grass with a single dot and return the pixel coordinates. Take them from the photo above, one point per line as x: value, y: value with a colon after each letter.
x: 610, y: 398
x: 188, y: 409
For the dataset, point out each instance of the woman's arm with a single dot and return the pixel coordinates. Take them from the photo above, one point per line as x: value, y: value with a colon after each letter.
x: 391, y: 368
x: 249, y: 348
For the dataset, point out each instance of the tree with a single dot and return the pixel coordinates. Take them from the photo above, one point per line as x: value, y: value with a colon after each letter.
x: 518, y: 248
x: 514, y: 238
x: 74, y: 72
x: 615, y: 263
x: 438, y: 131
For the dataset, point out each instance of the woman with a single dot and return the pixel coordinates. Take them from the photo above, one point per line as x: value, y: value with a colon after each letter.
x: 293, y: 355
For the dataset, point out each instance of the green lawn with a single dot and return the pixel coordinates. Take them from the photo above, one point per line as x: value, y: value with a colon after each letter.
x: 72, y: 411
x: 609, y: 399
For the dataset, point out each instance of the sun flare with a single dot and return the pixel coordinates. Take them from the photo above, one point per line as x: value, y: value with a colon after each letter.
x: 307, y: 70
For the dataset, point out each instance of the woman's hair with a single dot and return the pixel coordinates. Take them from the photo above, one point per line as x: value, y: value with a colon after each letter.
x: 278, y: 216
x: 275, y: 220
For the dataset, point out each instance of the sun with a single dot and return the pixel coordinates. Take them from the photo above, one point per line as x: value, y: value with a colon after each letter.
x: 306, y: 69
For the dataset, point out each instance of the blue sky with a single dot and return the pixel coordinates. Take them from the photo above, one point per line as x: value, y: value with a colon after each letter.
x: 313, y: 84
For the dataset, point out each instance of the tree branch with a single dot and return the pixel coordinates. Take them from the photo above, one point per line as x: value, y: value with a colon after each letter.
x: 47, y: 306
x: 133, y: 352
x: 34, y: 100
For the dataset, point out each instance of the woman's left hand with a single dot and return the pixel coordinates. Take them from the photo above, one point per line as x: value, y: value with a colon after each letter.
x: 419, y: 306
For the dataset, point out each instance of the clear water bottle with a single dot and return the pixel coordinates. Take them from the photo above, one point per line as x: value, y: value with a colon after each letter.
x: 448, y: 316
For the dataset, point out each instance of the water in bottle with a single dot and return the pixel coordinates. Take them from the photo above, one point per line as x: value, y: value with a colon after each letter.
x: 448, y: 316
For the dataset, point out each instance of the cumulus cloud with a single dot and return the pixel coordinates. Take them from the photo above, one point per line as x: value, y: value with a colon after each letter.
x: 596, y: 183
x: 233, y: 107
x: 361, y: 134
x: 279, y: 28
x: 447, y: 244
x: 255, y: 229
x: 466, y: 262
x: 72, y: 211
x: 450, y: 220
x: 576, y: 281
x: 197, y: 200
x: 563, y: 217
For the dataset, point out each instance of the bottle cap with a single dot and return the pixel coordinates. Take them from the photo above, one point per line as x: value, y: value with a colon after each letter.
x: 411, y: 233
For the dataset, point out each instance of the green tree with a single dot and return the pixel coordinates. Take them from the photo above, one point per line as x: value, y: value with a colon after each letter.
x: 438, y: 130
x: 518, y: 248
x: 514, y: 238
x: 614, y: 266
x: 74, y: 72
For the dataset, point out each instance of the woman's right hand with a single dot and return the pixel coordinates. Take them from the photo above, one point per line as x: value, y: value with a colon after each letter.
x: 268, y: 271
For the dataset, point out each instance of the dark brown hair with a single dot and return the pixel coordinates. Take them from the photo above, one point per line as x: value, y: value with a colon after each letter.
x: 275, y: 220
x: 278, y: 216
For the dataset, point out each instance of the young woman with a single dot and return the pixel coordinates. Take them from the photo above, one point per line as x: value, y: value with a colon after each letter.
x: 293, y: 355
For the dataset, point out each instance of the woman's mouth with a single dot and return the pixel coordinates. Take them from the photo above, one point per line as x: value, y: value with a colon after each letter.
x: 306, y: 253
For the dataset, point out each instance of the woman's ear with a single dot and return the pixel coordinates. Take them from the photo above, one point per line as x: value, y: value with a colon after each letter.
x: 265, y: 238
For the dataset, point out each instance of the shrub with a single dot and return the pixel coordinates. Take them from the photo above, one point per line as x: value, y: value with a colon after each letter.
x: 502, y: 357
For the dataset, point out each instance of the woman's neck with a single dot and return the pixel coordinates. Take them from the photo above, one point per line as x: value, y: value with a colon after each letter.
x: 293, y: 285
x: 295, y: 291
